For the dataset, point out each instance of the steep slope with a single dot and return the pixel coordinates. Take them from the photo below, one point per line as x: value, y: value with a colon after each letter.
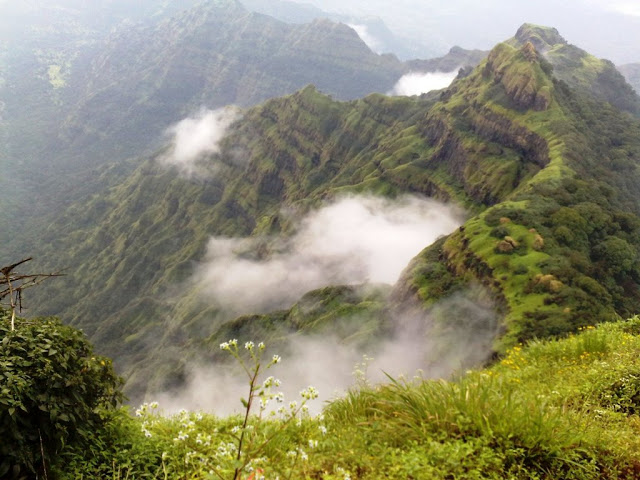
x: 71, y: 99
x: 548, y: 174
x: 43, y: 46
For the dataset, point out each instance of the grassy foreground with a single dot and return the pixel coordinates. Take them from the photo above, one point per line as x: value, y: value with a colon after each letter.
x: 563, y: 408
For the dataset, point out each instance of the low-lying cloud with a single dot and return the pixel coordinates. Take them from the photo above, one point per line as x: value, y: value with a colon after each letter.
x: 193, y: 138
x: 457, y: 334
x: 351, y: 241
x: 417, y: 83
x: 363, y: 32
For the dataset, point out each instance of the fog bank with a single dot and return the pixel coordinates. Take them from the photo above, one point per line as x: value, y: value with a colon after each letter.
x: 350, y: 241
x: 416, y: 83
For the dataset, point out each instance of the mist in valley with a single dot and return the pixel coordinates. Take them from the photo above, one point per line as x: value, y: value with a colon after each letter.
x: 352, y: 240
x: 417, y: 83
x: 455, y: 335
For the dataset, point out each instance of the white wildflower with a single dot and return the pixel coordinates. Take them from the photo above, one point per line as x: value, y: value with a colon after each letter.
x: 309, y: 393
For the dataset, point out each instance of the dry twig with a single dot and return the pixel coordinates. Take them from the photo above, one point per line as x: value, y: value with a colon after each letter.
x: 12, y: 285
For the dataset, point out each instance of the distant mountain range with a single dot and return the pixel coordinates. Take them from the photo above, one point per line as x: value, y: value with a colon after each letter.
x: 372, y: 30
x: 606, y: 29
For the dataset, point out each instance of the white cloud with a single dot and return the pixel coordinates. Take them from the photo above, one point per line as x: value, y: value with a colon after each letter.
x: 416, y: 83
x: 352, y: 241
x: 363, y: 32
x: 196, y: 137
x: 627, y: 8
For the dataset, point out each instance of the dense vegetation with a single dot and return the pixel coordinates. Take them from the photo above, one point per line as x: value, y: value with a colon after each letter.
x: 99, y: 90
x: 547, y: 172
x: 77, y: 93
x: 54, y: 392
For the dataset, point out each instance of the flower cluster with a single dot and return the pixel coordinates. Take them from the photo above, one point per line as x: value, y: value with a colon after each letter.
x: 237, y: 449
x: 147, y: 411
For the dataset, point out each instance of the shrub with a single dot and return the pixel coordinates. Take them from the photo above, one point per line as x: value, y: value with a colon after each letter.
x: 52, y: 388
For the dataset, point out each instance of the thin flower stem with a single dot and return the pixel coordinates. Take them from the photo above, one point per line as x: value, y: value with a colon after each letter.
x: 283, y: 425
x: 295, y: 460
x: 252, y: 387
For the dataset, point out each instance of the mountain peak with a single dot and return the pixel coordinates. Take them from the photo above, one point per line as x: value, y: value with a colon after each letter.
x: 578, y: 68
x: 542, y: 38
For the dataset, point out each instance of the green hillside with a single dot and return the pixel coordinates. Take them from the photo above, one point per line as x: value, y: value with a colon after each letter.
x: 215, y: 54
x: 547, y: 173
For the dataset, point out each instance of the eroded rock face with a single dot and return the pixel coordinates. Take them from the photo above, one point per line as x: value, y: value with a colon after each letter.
x: 520, y: 76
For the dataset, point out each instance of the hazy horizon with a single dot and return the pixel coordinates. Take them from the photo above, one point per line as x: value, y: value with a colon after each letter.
x: 606, y: 29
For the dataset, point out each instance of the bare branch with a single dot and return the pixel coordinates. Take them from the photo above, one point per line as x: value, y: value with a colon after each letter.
x: 12, y: 285
x: 7, y: 270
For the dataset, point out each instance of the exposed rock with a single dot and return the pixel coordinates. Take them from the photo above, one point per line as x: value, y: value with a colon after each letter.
x: 512, y: 241
x: 503, y: 246
x: 529, y: 52
x: 549, y: 282
x: 538, y: 242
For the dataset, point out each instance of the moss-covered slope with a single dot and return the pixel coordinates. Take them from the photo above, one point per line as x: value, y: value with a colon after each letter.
x: 561, y: 248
